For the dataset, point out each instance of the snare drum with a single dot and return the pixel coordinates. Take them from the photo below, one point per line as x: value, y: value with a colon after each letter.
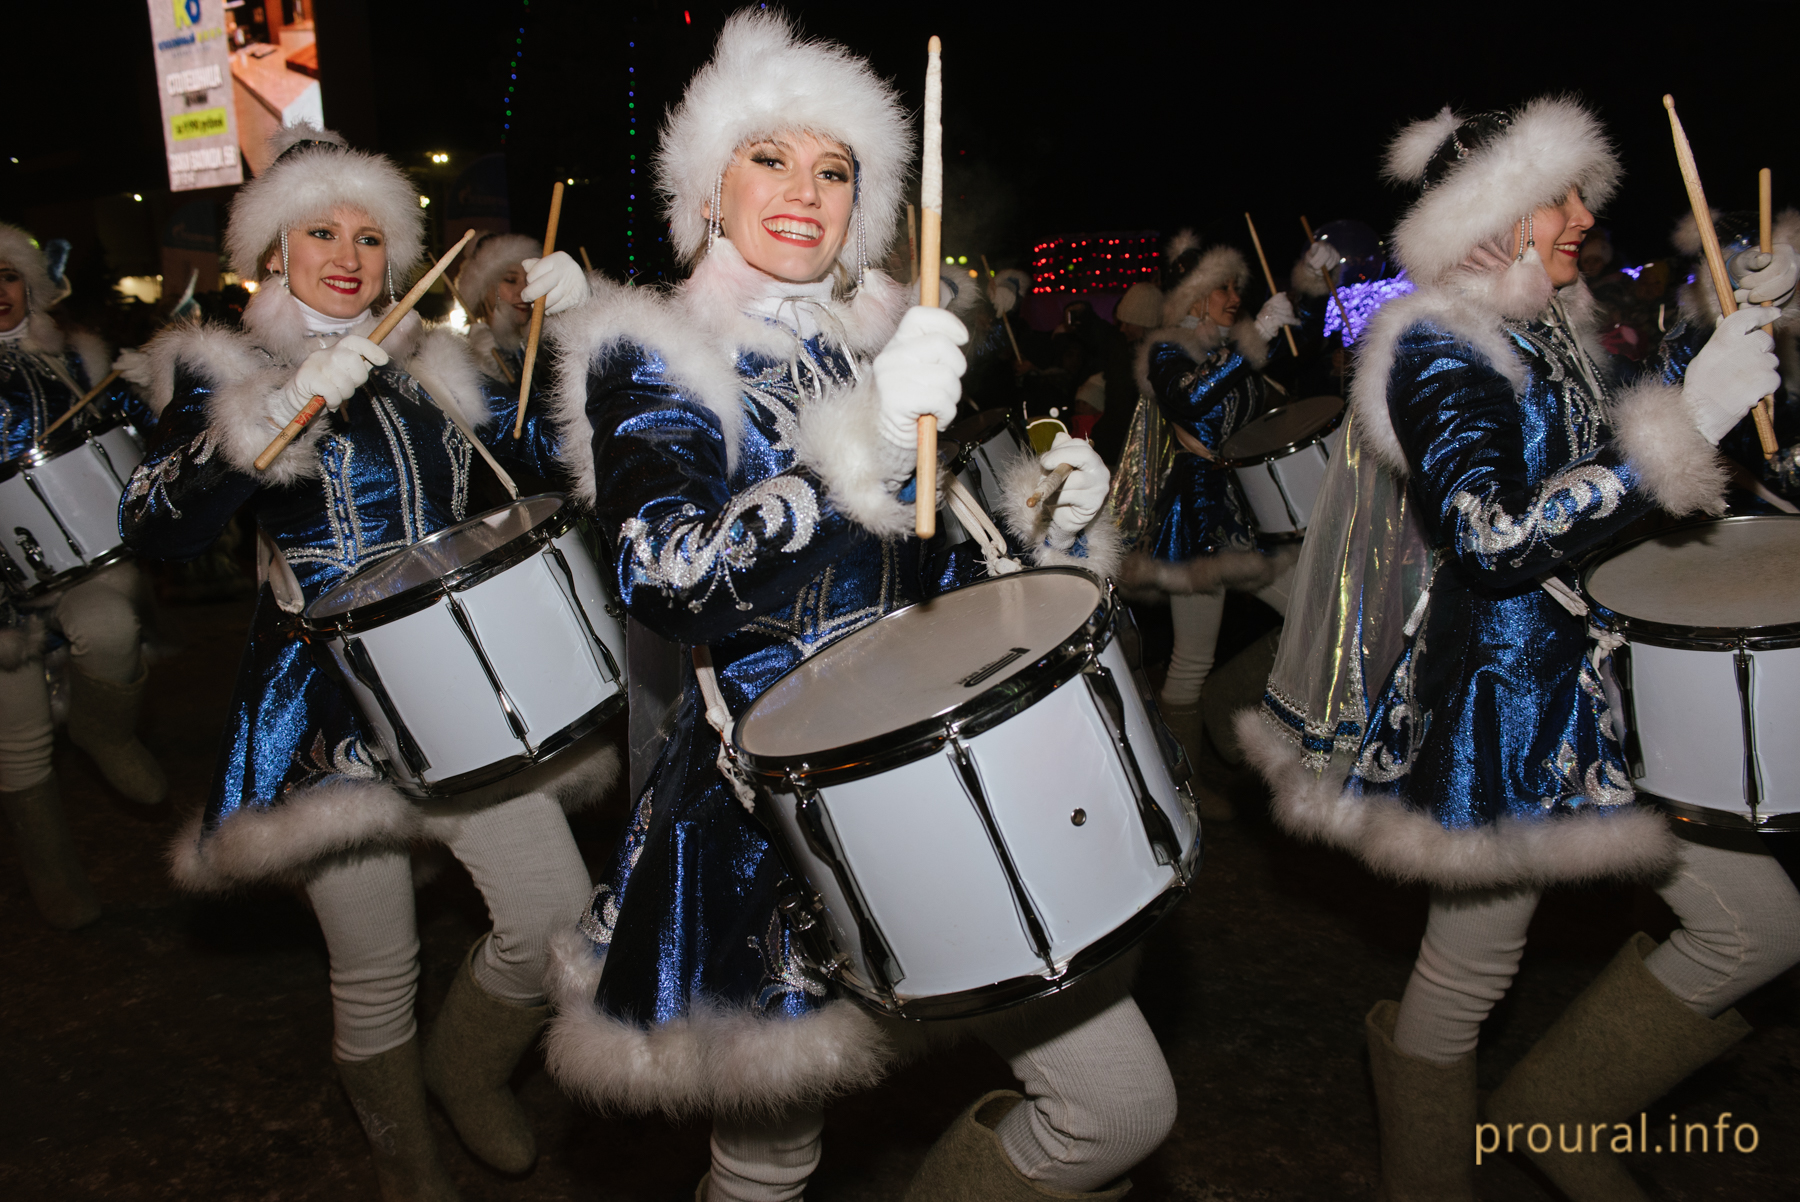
x: 985, y: 441
x: 479, y: 651
x: 59, y: 506
x: 1711, y: 669
x: 1279, y: 458
x: 979, y: 802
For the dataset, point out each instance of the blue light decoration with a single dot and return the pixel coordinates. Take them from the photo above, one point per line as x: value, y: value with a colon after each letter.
x: 1635, y: 272
x: 631, y: 267
x: 1111, y: 261
x: 1360, y: 301
x: 512, y: 77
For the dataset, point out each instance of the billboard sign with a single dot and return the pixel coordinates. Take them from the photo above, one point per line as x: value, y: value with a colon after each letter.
x: 193, y: 78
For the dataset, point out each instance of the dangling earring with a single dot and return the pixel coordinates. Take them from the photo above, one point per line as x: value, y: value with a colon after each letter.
x: 284, y: 261
x: 390, y: 283
x: 862, y: 247
x: 713, y: 224
x: 1527, y: 236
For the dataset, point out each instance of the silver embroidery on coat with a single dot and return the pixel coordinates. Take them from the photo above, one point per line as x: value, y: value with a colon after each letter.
x: 689, y: 550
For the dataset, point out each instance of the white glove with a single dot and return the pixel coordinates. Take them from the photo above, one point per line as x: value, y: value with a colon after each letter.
x: 920, y: 371
x: 1735, y: 369
x: 1321, y: 257
x: 333, y: 374
x: 1084, y: 492
x: 1276, y: 312
x: 1765, y: 276
x: 558, y: 279
x: 1003, y: 296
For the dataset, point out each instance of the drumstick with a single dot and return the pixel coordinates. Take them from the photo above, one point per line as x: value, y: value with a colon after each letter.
x: 912, y: 241
x: 1715, y: 259
x: 585, y: 261
x: 931, y: 217
x: 1009, y: 334
x: 316, y: 406
x: 1051, y: 486
x: 537, y: 314
x: 1765, y: 203
x: 504, y: 369
x: 1343, y: 313
x: 78, y: 406
x: 1270, y: 276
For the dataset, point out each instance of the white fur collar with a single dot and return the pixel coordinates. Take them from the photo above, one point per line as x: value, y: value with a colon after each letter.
x: 1202, y: 341
x: 725, y: 294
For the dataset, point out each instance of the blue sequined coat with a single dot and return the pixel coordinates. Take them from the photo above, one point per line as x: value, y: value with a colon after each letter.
x: 750, y: 506
x: 1489, y: 755
x: 297, y: 776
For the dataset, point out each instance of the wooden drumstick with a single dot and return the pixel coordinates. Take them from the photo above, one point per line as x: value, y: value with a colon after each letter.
x: 1715, y: 258
x: 316, y: 406
x: 78, y: 406
x: 1270, y: 276
x: 1052, y: 484
x: 504, y: 369
x: 1343, y: 313
x: 537, y: 315
x: 931, y: 222
x: 585, y: 261
x: 1005, y: 323
x: 1765, y: 205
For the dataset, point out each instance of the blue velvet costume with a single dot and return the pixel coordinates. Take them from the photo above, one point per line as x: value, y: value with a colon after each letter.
x: 33, y: 395
x: 385, y: 470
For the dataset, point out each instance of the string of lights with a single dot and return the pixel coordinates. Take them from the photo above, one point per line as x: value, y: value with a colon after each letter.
x: 631, y: 90
x: 512, y: 74
x: 1104, y: 262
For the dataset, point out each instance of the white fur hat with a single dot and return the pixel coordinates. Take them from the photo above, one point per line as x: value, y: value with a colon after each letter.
x: 22, y: 251
x: 491, y: 259
x: 1481, y: 175
x: 312, y: 171
x: 1217, y: 267
x: 1141, y: 305
x: 763, y: 80
x: 1733, y: 227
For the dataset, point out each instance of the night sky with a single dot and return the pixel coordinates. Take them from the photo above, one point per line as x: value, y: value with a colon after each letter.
x: 1124, y: 116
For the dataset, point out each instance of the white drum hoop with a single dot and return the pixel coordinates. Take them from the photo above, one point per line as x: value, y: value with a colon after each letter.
x: 801, y: 776
x: 1739, y: 641
x: 61, y: 443
x: 320, y: 622
x: 1248, y: 459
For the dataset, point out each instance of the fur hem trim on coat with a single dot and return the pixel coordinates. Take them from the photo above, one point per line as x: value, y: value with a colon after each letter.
x: 280, y: 843
x: 21, y: 644
x: 1628, y: 841
x: 1097, y: 549
x: 838, y: 439
x: 1682, y: 471
x: 716, y: 1059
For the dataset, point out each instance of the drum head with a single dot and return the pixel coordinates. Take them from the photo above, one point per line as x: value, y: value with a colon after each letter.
x: 917, y: 664
x: 1283, y: 429
x: 483, y: 542
x: 979, y: 428
x: 1733, y: 573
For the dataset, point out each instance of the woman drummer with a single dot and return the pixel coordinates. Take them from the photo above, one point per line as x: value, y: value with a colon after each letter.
x: 752, y: 447
x: 43, y: 372
x: 300, y: 796
x: 1204, y: 367
x: 1488, y: 448
x: 493, y: 282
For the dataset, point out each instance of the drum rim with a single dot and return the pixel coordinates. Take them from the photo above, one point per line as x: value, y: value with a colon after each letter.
x: 1773, y: 637
x: 1699, y: 815
x: 67, y: 576
x: 491, y: 774
x: 982, y: 712
x: 1299, y: 444
x: 509, y: 554
x: 61, y: 443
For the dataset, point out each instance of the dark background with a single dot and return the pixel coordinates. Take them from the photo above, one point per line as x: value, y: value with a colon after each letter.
x: 1120, y: 116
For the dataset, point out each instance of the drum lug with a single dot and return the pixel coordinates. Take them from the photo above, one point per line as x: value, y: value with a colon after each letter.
x: 970, y: 776
x: 34, y: 554
x: 1745, y: 665
x: 1157, y: 828
x: 821, y: 838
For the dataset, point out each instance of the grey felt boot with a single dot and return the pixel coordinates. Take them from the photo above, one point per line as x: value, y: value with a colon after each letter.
x: 103, y: 717
x: 469, y: 1059
x: 1426, y: 1112
x: 967, y: 1164
x: 388, y: 1092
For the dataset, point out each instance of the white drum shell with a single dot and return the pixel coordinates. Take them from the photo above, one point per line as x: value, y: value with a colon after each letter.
x: 921, y: 858
x: 69, y: 504
x: 534, y: 638
x: 1685, y: 712
x: 1281, y: 491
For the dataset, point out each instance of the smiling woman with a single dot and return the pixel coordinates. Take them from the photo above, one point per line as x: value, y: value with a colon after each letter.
x: 335, y: 266
x: 785, y: 204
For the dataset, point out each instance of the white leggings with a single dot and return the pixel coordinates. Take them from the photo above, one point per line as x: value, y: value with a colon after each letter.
x: 98, y: 617
x: 1740, y: 928
x: 1196, y: 618
x: 525, y: 863
x: 1098, y: 1099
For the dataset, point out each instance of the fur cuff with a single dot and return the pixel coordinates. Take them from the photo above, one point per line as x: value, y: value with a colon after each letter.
x: 280, y: 843
x: 717, y: 1059
x: 1680, y: 469
x: 1304, y: 281
x: 1097, y: 549
x: 1407, y: 845
x: 1250, y: 343
x: 1144, y: 576
x: 838, y: 439
x: 442, y: 364
x: 21, y: 644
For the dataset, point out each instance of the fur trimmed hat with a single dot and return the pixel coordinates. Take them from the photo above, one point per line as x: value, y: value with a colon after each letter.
x: 312, y: 171
x: 1141, y: 305
x: 22, y: 251
x: 1481, y: 175
x: 764, y: 80
x: 492, y: 257
x: 1217, y: 267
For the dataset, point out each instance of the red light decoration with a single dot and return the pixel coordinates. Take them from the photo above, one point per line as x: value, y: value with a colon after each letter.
x: 1110, y: 261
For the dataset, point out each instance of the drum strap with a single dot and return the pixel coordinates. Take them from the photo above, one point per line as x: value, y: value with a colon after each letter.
x: 718, y: 716
x: 975, y: 520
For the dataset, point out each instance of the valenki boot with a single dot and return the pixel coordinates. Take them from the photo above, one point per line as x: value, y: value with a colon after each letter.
x: 1426, y: 1113
x: 103, y: 718
x: 1625, y: 1042
x: 469, y: 1060
x: 388, y: 1092
x: 967, y: 1164
x: 46, y: 848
